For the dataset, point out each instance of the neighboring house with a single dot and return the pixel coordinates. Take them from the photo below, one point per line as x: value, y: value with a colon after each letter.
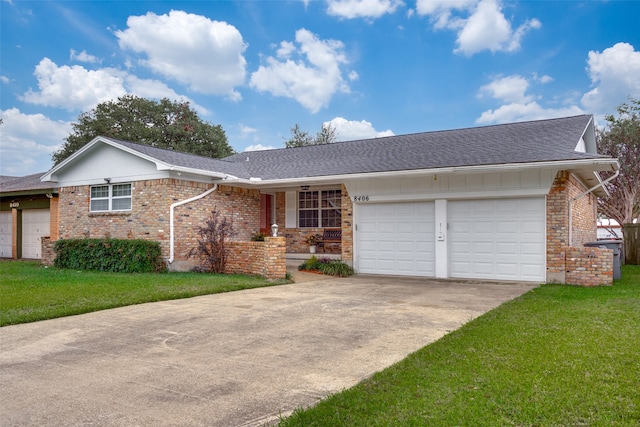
x: 505, y: 202
x: 609, y: 229
x: 25, y: 215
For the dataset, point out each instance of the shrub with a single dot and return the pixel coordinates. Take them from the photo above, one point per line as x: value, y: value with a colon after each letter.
x: 211, y: 246
x: 258, y: 237
x: 113, y: 255
x: 327, y: 266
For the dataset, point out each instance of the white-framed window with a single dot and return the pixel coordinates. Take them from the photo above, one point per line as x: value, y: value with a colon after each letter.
x: 110, y: 197
x: 319, y: 209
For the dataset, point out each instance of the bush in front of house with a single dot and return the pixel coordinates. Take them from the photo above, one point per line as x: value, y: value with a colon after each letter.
x: 327, y: 266
x: 113, y: 255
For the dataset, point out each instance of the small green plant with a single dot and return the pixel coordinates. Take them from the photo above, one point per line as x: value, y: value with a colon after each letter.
x: 313, y: 239
x: 327, y: 266
x: 258, y: 237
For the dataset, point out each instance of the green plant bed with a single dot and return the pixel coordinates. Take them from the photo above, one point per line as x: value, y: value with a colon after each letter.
x: 557, y: 356
x: 327, y: 266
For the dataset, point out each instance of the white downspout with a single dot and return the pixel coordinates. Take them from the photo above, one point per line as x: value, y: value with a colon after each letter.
x: 180, y: 203
x: 584, y: 193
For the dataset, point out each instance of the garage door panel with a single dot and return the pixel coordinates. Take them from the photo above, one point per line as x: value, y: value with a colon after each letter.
x: 5, y: 234
x: 399, y: 238
x: 35, y: 225
x: 505, y: 239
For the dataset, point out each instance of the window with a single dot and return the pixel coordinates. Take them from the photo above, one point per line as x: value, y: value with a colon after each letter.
x: 319, y: 209
x: 110, y: 197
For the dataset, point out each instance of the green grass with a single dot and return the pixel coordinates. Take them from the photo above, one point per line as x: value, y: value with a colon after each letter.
x: 557, y: 356
x: 31, y: 292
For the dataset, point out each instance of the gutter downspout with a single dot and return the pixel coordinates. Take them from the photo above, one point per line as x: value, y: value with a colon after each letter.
x: 584, y: 193
x: 180, y: 203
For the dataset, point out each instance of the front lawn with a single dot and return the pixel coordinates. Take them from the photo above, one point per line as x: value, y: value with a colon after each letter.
x: 557, y: 356
x: 30, y: 291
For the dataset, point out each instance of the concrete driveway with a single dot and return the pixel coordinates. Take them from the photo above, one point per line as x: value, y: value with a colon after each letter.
x: 237, y: 359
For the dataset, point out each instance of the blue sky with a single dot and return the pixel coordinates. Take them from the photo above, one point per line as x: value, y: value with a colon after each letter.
x: 369, y: 67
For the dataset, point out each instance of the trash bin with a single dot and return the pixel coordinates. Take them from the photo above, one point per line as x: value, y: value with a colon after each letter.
x: 616, y: 245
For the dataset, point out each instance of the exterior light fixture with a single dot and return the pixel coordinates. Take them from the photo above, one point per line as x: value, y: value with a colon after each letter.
x: 274, y: 230
x: 107, y: 180
x: 304, y: 187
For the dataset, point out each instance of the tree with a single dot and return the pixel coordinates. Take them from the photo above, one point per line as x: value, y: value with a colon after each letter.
x: 300, y: 138
x: 164, y: 124
x: 621, y: 139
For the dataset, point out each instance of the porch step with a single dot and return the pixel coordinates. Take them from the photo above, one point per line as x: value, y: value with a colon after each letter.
x: 298, y: 258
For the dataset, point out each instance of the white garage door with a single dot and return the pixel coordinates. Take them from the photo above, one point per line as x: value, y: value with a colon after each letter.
x: 396, y: 238
x: 35, y: 224
x: 5, y: 234
x: 497, y: 239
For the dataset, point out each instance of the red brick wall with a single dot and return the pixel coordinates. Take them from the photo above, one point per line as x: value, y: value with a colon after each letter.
x: 589, y: 266
x: 149, y: 216
x: 267, y: 259
x: 561, y: 269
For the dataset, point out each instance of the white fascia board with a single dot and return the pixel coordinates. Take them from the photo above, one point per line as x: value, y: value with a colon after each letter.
x: 604, y: 164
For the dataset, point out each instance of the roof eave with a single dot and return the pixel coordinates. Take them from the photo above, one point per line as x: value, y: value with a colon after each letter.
x: 591, y: 165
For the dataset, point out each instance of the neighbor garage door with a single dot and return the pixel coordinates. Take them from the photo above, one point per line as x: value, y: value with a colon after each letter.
x: 5, y: 234
x: 497, y: 239
x: 35, y: 224
x: 396, y: 238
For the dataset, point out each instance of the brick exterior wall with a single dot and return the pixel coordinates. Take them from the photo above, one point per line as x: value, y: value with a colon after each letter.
x: 267, y: 259
x: 589, y: 266
x: 48, y: 254
x: 564, y: 264
x: 347, y: 227
x: 149, y: 216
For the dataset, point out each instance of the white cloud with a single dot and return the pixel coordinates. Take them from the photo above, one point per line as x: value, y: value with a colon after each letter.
x: 259, y: 147
x: 614, y: 74
x: 480, y: 25
x: 347, y: 130
x: 28, y: 140
x: 516, y: 112
x: 508, y: 89
x: 4, y: 79
x: 519, y: 105
x: 191, y: 49
x: 311, y: 74
x: 74, y: 87
x: 351, y: 9
x: 83, y: 57
x: 77, y: 88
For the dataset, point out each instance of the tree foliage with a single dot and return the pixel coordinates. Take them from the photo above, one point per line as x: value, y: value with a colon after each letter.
x: 621, y: 139
x: 301, y: 138
x: 164, y: 124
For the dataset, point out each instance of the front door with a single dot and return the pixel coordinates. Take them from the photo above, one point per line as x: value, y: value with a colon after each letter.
x: 266, y: 213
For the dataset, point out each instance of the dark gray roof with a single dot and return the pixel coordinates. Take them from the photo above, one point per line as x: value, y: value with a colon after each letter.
x: 524, y: 142
x: 24, y: 183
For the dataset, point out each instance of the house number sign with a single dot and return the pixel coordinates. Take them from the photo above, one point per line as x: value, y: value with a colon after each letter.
x: 360, y: 198
x: 14, y: 204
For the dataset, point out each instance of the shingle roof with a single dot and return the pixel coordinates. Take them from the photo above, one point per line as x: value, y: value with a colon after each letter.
x: 23, y: 183
x: 525, y: 142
